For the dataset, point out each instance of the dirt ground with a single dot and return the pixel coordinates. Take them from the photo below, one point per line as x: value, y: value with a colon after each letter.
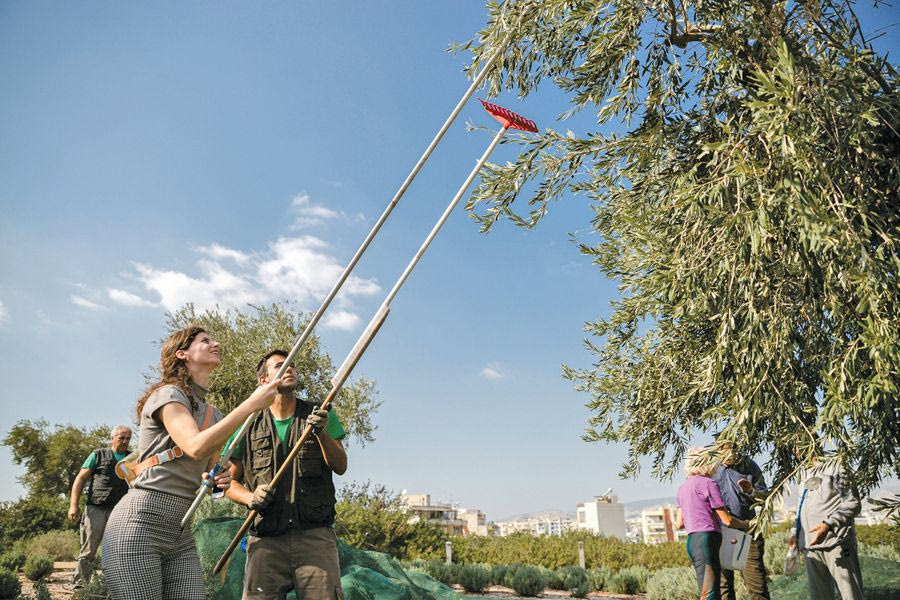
x: 59, y: 584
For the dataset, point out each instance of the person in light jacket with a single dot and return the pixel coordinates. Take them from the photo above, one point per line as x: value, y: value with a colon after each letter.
x: 826, y: 535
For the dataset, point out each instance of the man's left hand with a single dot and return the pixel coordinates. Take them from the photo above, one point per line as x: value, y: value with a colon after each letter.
x: 318, y: 418
x: 818, y: 533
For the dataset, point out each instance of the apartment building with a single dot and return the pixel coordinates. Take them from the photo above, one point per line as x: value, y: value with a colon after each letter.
x: 605, y: 515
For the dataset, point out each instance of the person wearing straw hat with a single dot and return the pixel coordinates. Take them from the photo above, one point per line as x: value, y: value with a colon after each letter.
x: 292, y: 543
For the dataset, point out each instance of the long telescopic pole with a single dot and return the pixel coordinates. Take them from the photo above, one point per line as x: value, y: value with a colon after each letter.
x: 207, y: 485
x: 364, y: 341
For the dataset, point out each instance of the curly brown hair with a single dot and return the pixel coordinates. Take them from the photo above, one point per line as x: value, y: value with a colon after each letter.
x: 173, y: 370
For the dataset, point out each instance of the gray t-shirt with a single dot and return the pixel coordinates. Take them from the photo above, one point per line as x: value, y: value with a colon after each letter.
x: 182, y: 476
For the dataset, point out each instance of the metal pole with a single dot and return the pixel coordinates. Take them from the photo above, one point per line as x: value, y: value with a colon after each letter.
x: 365, y: 339
x: 307, y: 331
x: 448, y: 552
x: 581, y: 554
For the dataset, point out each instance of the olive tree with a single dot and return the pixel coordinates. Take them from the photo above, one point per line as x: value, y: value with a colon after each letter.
x: 743, y: 171
x: 245, y: 336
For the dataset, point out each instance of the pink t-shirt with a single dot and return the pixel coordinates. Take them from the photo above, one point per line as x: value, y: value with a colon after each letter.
x: 697, y: 498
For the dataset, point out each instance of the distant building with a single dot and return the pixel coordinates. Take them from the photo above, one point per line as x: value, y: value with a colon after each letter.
x: 420, y: 509
x: 474, y: 521
x: 605, y: 515
x: 545, y: 524
x: 658, y: 525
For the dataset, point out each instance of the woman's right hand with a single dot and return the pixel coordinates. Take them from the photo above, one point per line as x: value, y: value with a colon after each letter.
x: 263, y: 396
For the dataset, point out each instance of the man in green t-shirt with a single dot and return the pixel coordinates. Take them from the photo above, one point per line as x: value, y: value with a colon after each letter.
x: 292, y: 543
x: 104, y: 490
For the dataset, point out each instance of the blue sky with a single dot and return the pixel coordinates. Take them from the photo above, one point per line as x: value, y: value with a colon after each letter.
x: 158, y: 153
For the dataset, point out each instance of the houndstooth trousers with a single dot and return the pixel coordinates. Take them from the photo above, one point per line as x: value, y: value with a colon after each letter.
x: 146, y: 556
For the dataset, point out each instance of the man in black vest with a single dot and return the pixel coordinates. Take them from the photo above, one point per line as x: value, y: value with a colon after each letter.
x: 104, y: 490
x: 292, y: 543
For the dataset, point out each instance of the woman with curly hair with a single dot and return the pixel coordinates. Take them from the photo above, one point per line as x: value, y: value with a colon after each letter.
x: 146, y: 554
x: 701, y: 509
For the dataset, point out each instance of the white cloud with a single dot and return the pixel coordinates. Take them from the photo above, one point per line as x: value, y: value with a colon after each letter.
x: 85, y: 303
x: 309, y: 214
x: 341, y: 320
x: 4, y: 314
x: 294, y: 268
x: 492, y: 371
x: 127, y: 298
x: 218, y: 251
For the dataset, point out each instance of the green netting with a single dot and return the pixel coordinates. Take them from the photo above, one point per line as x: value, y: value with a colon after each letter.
x: 365, y: 575
x: 881, y: 581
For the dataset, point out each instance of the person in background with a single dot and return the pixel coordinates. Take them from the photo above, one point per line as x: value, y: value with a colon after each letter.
x: 825, y: 532
x: 739, y: 480
x: 701, y: 509
x: 104, y: 490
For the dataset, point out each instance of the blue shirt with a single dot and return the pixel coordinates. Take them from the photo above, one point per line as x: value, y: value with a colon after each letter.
x: 737, y: 502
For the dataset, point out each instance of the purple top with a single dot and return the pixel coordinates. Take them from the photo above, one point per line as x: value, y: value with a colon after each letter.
x: 697, y: 498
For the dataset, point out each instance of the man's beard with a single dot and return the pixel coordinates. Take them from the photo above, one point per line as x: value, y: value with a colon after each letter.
x: 287, y: 389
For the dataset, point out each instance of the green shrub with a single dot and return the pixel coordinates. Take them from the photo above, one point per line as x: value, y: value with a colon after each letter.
x: 474, y: 578
x: 552, y: 579
x: 876, y: 535
x: 510, y: 573
x: 640, y: 574
x: 40, y: 591
x: 882, y: 551
x: 528, y: 581
x: 575, y: 580
x: 776, y: 551
x: 61, y: 544
x: 498, y: 574
x: 96, y: 588
x: 9, y: 584
x: 34, y: 514
x: 440, y: 571
x: 673, y: 583
x: 12, y: 560
x: 38, y: 566
x: 598, y: 578
x: 624, y: 583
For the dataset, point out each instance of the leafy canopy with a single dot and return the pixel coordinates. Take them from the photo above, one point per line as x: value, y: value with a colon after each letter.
x: 52, y: 456
x: 246, y: 336
x: 744, y: 175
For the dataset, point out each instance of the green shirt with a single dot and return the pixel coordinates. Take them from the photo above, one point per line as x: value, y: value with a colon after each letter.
x: 91, y: 461
x: 334, y: 429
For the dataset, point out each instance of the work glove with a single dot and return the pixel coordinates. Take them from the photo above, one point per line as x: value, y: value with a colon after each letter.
x: 261, y: 497
x: 318, y: 418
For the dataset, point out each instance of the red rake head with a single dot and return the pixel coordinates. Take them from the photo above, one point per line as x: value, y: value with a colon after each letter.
x: 508, y: 118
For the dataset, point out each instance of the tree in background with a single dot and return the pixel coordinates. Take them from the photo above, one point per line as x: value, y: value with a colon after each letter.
x: 744, y: 175
x: 246, y: 336
x: 52, y: 457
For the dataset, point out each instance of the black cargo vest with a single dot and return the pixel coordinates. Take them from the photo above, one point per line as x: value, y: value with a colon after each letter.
x: 304, y: 497
x: 104, y: 487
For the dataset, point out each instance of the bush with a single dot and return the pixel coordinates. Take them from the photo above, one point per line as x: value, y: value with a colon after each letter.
x: 474, y: 578
x: 575, y: 580
x: 640, y: 574
x: 440, y: 571
x: 776, y: 550
x: 876, y: 535
x: 528, y: 581
x: 38, y: 566
x: 12, y: 560
x: 9, y: 584
x: 61, y: 544
x: 624, y: 583
x: 28, y: 516
x: 41, y: 592
x: 498, y: 574
x: 882, y: 551
x: 510, y: 573
x: 552, y: 579
x: 673, y: 583
x: 96, y: 588
x: 598, y: 578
